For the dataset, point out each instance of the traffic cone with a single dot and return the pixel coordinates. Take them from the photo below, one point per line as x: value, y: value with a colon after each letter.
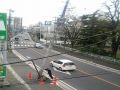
x: 30, y: 75
x: 54, y: 82
x: 41, y: 81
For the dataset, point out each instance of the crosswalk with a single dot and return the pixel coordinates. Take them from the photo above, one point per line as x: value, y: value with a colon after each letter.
x: 22, y: 44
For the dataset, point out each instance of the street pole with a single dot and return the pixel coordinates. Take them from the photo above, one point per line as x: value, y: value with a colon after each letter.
x: 40, y: 29
x: 47, y: 50
x: 9, y: 21
x: 46, y: 34
x: 54, y: 34
x: 9, y: 27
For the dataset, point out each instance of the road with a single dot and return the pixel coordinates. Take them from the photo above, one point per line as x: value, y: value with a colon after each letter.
x: 86, y: 77
x: 22, y: 80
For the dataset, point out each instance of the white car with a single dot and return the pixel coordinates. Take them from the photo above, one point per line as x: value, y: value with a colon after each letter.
x: 63, y: 64
x: 38, y: 45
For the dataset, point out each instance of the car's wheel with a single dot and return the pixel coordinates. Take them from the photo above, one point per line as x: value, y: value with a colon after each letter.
x: 60, y: 68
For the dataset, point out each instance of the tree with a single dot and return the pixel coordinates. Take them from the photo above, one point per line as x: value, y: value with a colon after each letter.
x: 72, y: 29
x: 93, y: 31
x: 113, y: 15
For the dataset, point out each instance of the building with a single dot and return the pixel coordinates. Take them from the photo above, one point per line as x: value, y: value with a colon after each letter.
x: 16, y: 25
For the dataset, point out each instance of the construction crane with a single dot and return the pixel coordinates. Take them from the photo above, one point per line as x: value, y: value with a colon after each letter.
x: 65, y: 8
x: 61, y: 20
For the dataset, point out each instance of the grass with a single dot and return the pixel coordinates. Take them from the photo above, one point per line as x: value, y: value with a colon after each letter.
x: 118, y: 56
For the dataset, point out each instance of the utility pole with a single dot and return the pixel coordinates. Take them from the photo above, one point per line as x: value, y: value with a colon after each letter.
x: 9, y: 22
x: 47, y: 50
x: 40, y: 25
x: 47, y: 23
x: 54, y: 33
x: 9, y: 27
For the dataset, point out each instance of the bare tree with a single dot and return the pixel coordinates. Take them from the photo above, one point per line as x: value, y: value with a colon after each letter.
x: 72, y: 30
x: 113, y: 15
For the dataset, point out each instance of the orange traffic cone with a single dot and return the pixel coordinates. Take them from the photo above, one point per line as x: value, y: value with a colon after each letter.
x: 30, y: 75
x: 41, y: 82
x: 54, y: 82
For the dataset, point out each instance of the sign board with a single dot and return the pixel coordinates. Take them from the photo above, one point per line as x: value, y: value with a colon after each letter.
x: 2, y: 71
x: 3, y: 31
x: 48, y: 22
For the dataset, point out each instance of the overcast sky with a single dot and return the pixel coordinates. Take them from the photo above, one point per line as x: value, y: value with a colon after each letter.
x: 34, y: 11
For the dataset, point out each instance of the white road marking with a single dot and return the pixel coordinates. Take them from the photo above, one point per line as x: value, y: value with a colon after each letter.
x: 54, y: 67
x: 18, y: 77
x: 28, y: 57
x: 90, y: 63
x: 94, y: 64
x: 61, y: 84
x: 65, y: 72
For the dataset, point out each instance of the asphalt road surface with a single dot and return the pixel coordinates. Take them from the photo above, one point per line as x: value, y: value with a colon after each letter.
x: 27, y: 81
x: 86, y: 77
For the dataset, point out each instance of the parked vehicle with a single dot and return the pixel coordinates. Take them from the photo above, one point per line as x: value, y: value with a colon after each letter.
x: 38, y: 45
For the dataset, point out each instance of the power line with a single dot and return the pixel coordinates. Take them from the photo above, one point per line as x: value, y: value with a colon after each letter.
x: 73, y: 40
x: 63, y: 78
x: 92, y: 36
x: 50, y: 55
x: 95, y: 43
x: 97, y: 35
x: 33, y: 59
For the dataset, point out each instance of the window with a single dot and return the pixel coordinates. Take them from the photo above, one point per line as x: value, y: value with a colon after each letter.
x: 69, y: 64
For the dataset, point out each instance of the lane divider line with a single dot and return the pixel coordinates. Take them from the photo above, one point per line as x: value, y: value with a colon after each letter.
x: 91, y: 63
x: 101, y: 79
x: 94, y: 64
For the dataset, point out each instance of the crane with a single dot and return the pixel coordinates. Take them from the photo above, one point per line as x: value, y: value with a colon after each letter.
x: 61, y: 19
x: 65, y: 8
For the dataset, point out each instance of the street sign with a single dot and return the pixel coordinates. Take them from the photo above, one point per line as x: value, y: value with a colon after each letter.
x: 2, y: 71
x: 3, y: 31
x: 48, y: 22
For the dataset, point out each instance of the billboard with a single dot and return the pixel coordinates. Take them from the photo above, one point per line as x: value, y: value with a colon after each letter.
x: 3, y: 24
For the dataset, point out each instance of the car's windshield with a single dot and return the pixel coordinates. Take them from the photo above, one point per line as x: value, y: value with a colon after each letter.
x: 69, y: 64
